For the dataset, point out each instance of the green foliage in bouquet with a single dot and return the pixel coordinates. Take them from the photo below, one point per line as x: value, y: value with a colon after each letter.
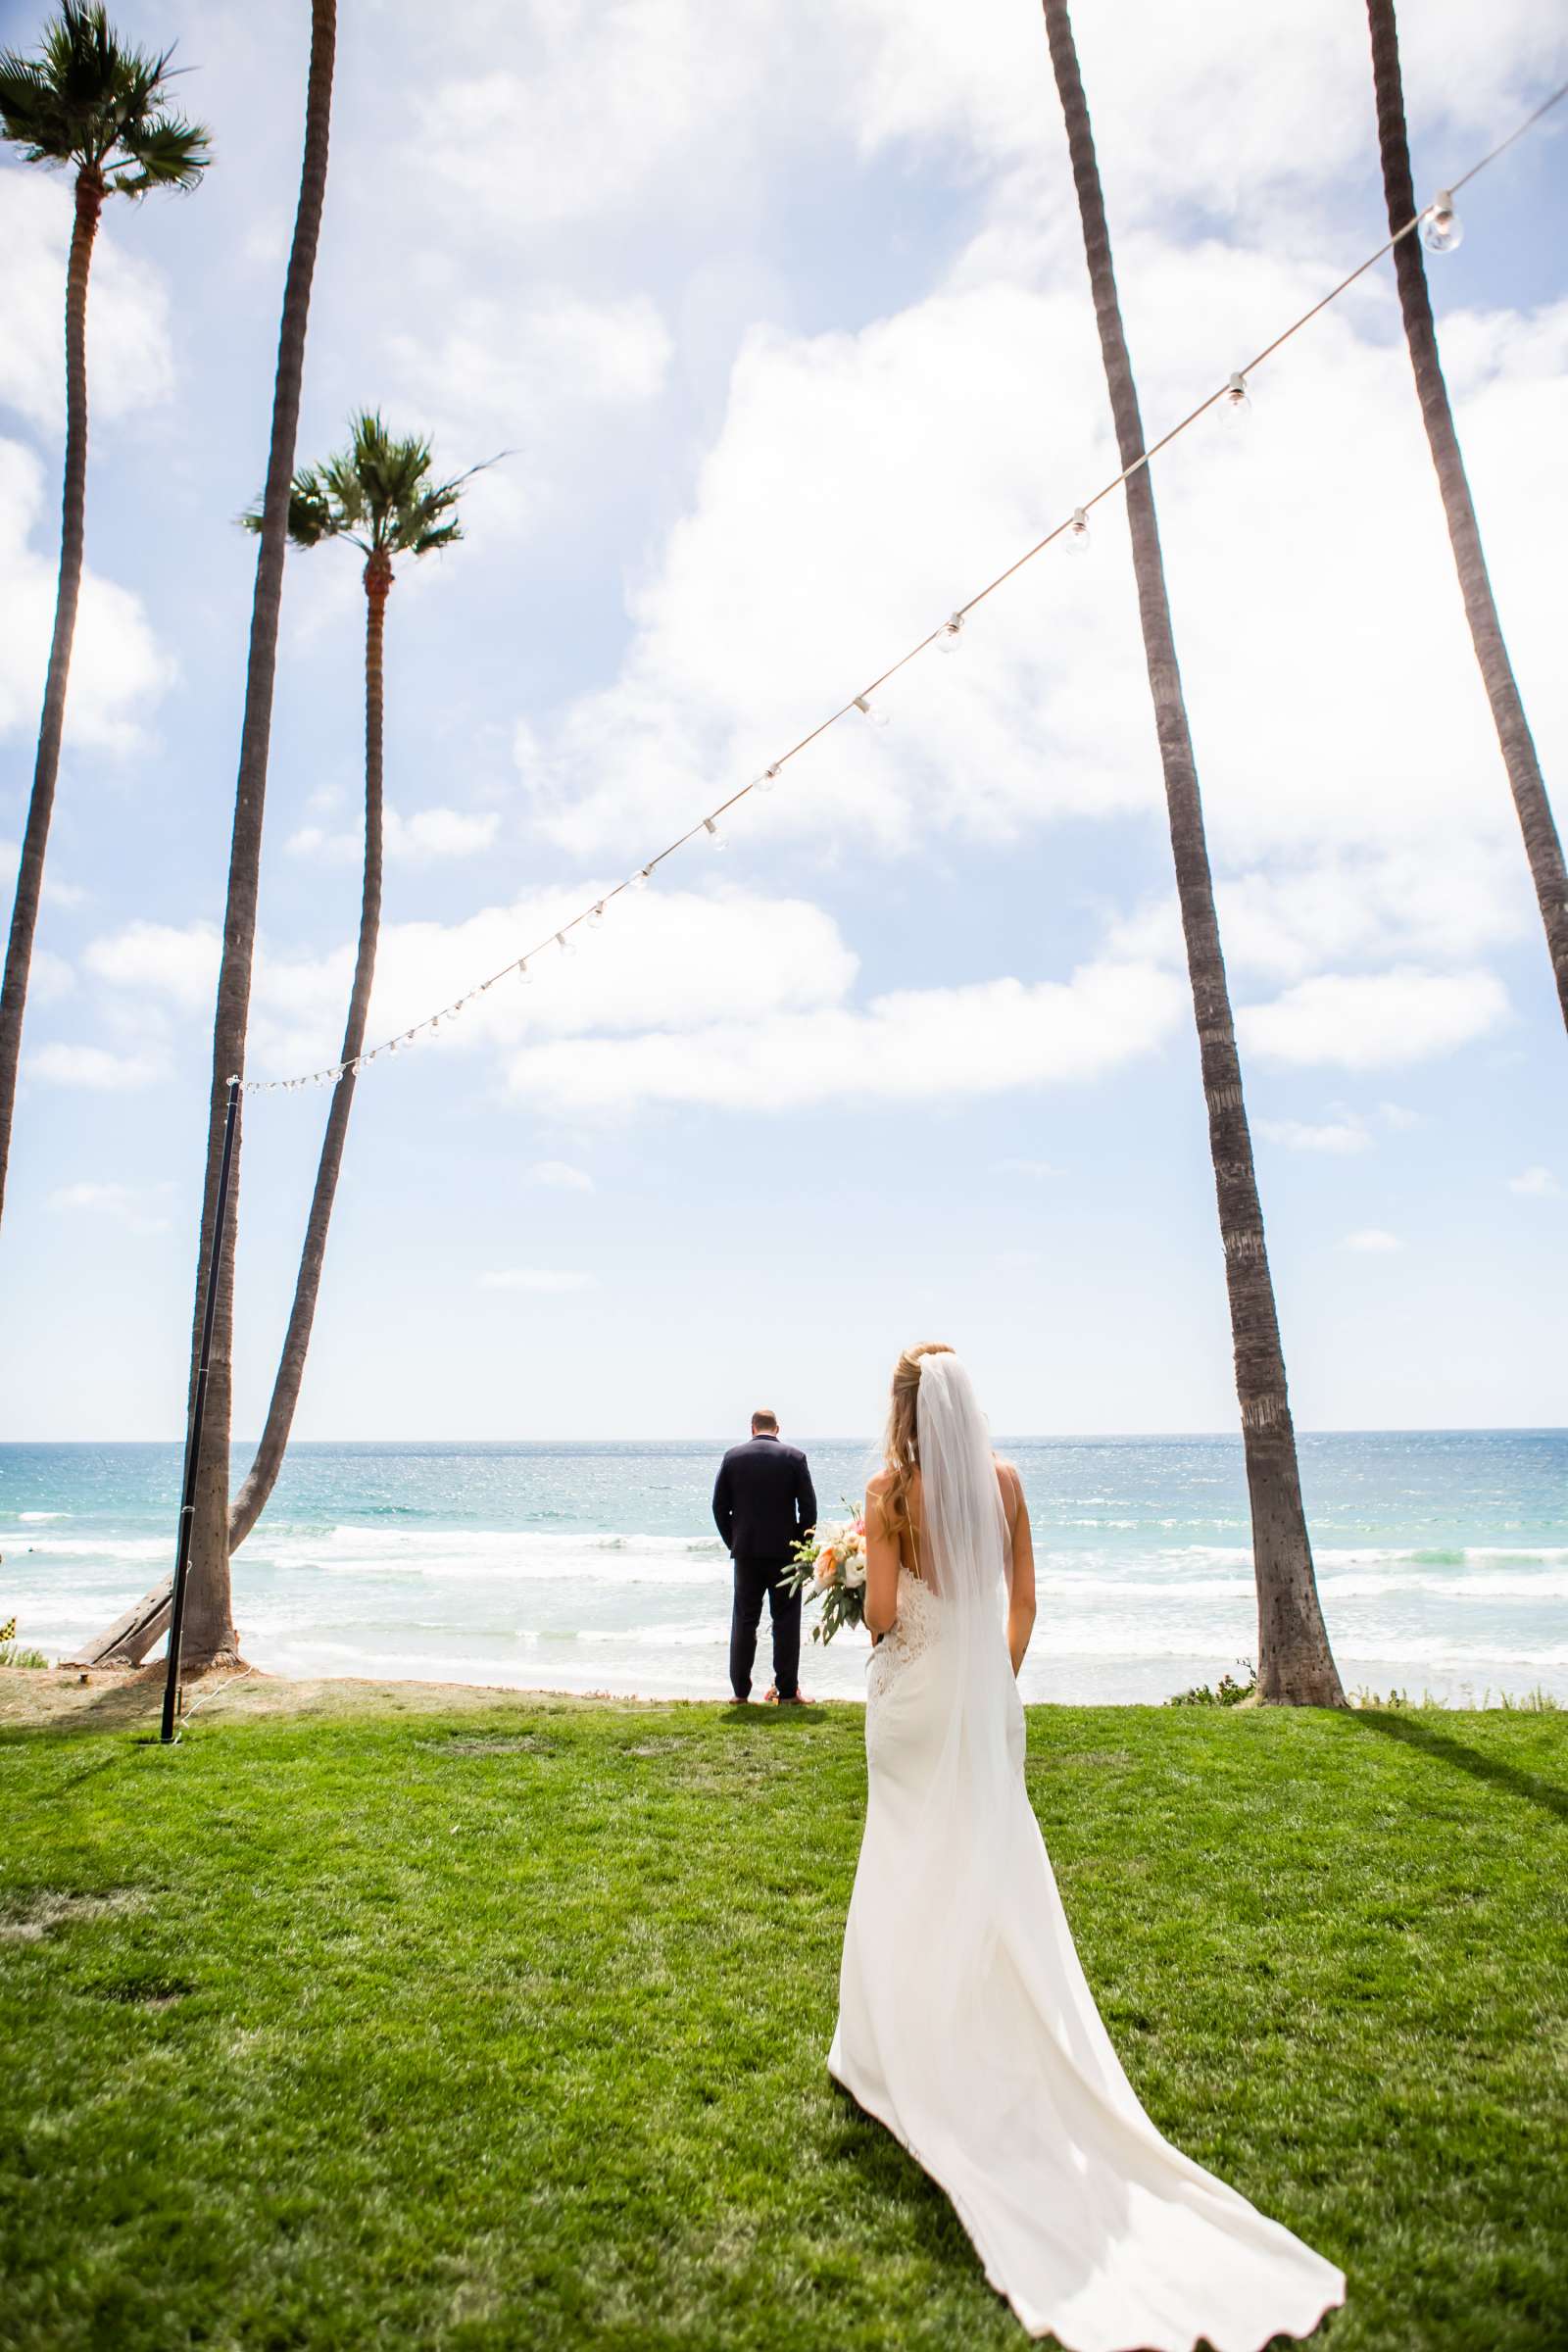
x: 830, y: 1564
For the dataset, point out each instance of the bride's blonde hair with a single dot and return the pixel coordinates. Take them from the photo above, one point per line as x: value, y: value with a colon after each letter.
x: 900, y: 1446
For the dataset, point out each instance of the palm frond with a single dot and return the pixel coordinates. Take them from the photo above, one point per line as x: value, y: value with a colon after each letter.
x: 376, y: 493
x: 90, y: 98
x: 167, y: 153
x: 31, y: 114
x: 311, y: 515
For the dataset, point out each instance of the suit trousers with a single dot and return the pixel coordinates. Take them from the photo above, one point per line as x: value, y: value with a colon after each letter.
x: 753, y: 1579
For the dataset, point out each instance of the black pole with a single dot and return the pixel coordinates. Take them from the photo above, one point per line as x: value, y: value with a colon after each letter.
x: 194, y: 1436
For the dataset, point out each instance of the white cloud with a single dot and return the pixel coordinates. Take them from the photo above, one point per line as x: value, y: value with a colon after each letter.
x: 56, y: 891
x: 665, y: 959
x: 561, y: 1176
x: 545, y: 1281
x: 94, y: 1067
x: 118, y: 669
x: 1371, y: 1240
x: 917, y: 1046
x: 157, y: 959
x: 49, y: 976
x: 601, y: 101
x: 417, y: 840
x: 1219, y: 108
x: 1357, y: 811
x: 1346, y: 1134
x: 732, y: 998
x: 640, y: 103
x: 1374, y: 1020
x: 130, y: 360
x: 135, y: 1207
x: 1538, y: 1182
x: 440, y: 833
x: 507, y: 374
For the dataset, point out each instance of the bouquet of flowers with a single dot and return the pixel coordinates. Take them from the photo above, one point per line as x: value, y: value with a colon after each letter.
x: 830, y: 1565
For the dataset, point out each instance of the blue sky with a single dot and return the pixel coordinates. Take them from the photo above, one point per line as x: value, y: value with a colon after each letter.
x: 782, y: 311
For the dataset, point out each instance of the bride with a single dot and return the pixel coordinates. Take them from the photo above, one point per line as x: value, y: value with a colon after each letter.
x: 966, y: 2024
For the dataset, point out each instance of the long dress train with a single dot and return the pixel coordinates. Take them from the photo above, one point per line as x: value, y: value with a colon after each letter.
x: 967, y: 2026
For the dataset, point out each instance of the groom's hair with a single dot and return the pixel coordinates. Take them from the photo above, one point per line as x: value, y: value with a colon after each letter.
x: 764, y: 1419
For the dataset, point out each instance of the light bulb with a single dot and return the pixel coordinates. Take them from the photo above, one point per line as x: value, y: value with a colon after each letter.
x: 710, y: 828
x: 1078, y: 531
x: 562, y: 942
x: 524, y: 976
x: 1441, y: 228
x: 767, y: 779
x: 642, y: 877
x: 952, y: 636
x: 1237, y: 402
x: 868, y: 710
x: 597, y: 916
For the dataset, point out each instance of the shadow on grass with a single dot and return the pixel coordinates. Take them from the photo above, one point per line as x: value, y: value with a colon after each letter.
x: 1446, y: 1749
x: 759, y: 1716
x: 891, y: 2174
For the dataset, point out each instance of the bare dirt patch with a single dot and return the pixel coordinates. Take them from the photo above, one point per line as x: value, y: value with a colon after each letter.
x: 32, y: 1918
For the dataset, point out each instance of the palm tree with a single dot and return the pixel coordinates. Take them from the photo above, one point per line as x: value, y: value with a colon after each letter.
x: 377, y: 495
x: 1295, y: 1666
x: 208, y: 1631
x: 1542, y: 846
x: 90, y: 102
x: 208, y: 1627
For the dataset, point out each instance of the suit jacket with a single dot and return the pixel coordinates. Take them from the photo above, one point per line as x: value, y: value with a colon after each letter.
x: 763, y: 1499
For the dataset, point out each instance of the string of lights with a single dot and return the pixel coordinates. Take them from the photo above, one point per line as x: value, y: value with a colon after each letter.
x: 1441, y: 231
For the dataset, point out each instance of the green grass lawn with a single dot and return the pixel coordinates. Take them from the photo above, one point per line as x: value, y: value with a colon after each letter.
x: 501, y: 2023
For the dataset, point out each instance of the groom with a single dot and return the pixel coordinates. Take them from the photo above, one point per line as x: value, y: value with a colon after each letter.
x: 762, y: 1503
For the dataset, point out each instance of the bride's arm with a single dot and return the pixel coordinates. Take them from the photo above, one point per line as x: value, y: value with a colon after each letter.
x: 881, y: 1562
x: 1021, y: 1589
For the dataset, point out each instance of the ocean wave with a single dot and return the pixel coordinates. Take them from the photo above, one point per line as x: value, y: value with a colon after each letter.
x: 95, y: 1548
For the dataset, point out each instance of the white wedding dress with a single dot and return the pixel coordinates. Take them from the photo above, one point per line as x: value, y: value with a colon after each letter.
x: 966, y: 2023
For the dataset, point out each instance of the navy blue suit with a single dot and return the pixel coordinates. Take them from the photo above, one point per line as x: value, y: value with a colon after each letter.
x: 763, y: 1502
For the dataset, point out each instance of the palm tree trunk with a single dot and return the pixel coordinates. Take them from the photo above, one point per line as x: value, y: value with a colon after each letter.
x: 251, y: 1500
x: 1295, y: 1666
x: 209, y: 1628
x: 68, y: 591
x: 1542, y: 846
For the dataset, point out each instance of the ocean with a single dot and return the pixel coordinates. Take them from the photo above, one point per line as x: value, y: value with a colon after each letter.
x: 1441, y: 1559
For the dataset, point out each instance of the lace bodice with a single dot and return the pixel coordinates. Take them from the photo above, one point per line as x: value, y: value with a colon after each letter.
x: 913, y: 1629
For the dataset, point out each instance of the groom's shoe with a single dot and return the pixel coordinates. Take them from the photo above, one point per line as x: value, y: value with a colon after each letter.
x: 795, y: 1699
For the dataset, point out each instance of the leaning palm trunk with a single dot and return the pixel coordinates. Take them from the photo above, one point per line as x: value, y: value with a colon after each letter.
x: 251, y: 1500
x: 1542, y: 846
x: 46, y: 766
x: 1296, y: 1665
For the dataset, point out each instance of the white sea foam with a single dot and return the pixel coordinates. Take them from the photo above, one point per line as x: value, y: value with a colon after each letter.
x: 92, y: 1547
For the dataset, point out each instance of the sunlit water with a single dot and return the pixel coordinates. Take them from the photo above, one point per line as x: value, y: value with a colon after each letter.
x: 1442, y: 1558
